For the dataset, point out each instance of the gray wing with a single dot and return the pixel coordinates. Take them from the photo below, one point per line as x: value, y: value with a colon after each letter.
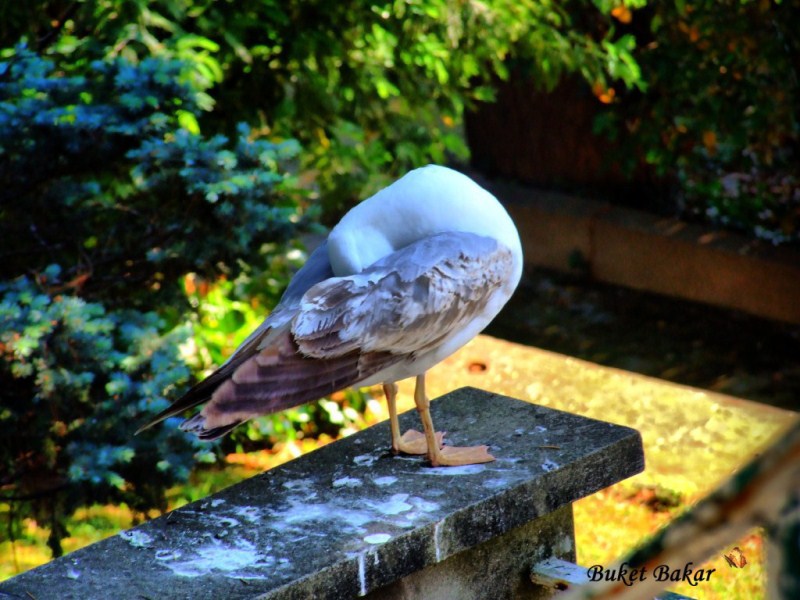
x: 406, y: 303
x: 317, y: 268
x: 346, y: 329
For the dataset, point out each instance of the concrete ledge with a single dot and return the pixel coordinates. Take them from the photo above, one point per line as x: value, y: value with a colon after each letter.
x: 642, y: 251
x: 351, y: 518
x: 494, y: 569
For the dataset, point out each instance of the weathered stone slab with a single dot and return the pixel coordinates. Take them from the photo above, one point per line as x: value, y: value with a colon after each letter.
x: 497, y: 569
x: 350, y: 518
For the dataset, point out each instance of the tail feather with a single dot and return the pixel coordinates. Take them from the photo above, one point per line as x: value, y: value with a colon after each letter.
x: 259, y: 382
x: 197, y: 425
x: 203, y: 391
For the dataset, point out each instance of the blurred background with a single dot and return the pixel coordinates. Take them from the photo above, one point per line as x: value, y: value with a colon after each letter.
x: 165, y: 166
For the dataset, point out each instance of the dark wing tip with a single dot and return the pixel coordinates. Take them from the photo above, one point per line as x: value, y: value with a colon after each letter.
x: 176, y: 408
x: 197, y: 425
x: 164, y: 414
x: 202, y: 391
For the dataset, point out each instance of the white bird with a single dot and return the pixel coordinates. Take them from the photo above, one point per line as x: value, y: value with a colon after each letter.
x: 405, y: 279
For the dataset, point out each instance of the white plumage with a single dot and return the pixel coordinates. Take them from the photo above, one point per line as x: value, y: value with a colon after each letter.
x: 405, y: 279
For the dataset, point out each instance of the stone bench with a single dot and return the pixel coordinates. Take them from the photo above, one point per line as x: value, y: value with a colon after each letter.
x: 351, y: 519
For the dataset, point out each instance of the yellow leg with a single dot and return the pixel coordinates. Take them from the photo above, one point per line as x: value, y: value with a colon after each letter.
x: 448, y: 456
x: 390, y: 391
x: 412, y: 441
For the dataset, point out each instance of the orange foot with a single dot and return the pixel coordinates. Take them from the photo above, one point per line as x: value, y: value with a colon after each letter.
x: 453, y: 456
x: 413, y: 442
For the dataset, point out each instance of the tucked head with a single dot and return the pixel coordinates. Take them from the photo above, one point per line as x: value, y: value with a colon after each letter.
x: 428, y: 200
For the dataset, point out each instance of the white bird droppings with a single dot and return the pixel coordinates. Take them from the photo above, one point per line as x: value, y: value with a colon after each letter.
x: 364, y: 460
x: 462, y: 470
x: 300, y: 513
x: 388, y: 480
x: 298, y: 484
x: 362, y: 574
x: 250, y: 513
x: 423, y: 505
x: 217, y: 557
x: 225, y: 521
x: 437, y: 534
x: 347, y: 482
x: 393, y: 506
x: 377, y: 538
x: 494, y: 483
x: 137, y: 539
x: 168, y: 554
x: 549, y: 465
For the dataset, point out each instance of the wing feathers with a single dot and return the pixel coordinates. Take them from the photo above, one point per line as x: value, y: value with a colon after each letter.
x: 280, y: 378
x: 406, y: 303
x: 198, y: 394
x: 329, y: 334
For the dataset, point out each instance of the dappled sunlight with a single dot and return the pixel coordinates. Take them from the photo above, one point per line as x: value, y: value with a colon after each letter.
x: 97, y: 522
x: 610, y: 523
x: 166, y: 168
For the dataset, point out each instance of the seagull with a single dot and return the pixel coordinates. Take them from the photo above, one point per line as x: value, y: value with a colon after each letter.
x: 406, y: 278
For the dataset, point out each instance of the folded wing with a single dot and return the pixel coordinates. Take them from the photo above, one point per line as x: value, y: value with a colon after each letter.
x: 344, y: 330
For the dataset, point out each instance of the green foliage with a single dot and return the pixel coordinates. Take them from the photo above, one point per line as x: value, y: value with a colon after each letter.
x: 370, y: 88
x: 107, y: 201
x: 77, y: 378
x: 722, y: 111
x: 104, y: 172
x: 97, y: 174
